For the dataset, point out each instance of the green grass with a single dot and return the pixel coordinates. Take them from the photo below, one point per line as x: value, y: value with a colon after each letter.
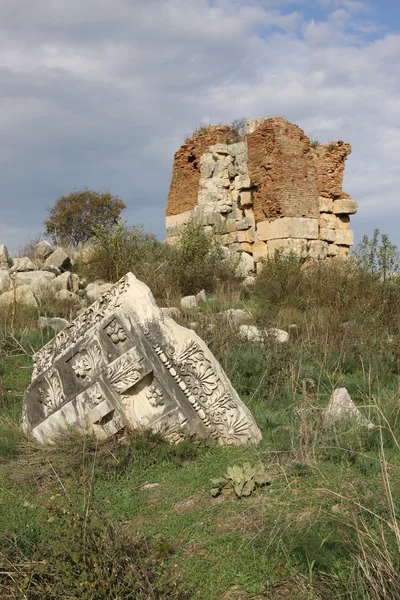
x: 133, y: 517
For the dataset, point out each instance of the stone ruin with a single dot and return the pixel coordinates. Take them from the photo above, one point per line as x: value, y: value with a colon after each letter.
x: 275, y: 190
x: 123, y: 363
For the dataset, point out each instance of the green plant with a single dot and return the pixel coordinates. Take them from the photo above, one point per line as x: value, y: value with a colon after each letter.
x: 378, y: 256
x: 240, y: 480
x: 314, y: 143
x: 74, y: 218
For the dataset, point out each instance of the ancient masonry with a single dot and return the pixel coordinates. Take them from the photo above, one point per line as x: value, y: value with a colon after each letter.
x: 273, y: 191
x: 122, y: 363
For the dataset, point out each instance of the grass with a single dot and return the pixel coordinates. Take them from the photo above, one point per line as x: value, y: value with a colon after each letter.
x: 133, y: 517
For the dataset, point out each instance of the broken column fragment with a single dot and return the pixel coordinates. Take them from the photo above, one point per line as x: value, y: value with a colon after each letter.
x: 121, y: 363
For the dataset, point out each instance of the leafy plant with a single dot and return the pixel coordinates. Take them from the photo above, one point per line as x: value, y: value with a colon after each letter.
x: 378, y: 255
x: 240, y: 480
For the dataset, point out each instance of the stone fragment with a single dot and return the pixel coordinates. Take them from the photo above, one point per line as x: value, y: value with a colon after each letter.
x: 236, y: 247
x: 251, y: 333
x: 189, y: 302
x: 207, y: 164
x: 218, y: 149
x: 325, y: 204
x: 263, y: 233
x: 68, y: 297
x: 94, y: 292
x: 329, y: 235
x: 55, y: 323
x: 345, y: 206
x: 344, y: 237
x: 56, y: 272
x: 221, y: 167
x: 333, y: 250
x: 342, y: 408
x: 22, y: 295
x: 328, y: 221
x: 245, y: 265
x: 171, y: 311
x: 59, y: 258
x: 237, y: 315
x: 343, y: 222
x: 121, y: 365
x: 229, y: 226
x: 201, y: 297
x: 39, y: 281
x: 43, y: 249
x: 242, y: 183
x: 277, y: 335
x: 232, y: 171
x: 245, y: 199
x: 22, y: 265
x: 244, y: 223
x: 260, y: 251
x: 74, y: 283
x: 343, y: 251
x: 4, y: 257
x: 5, y: 281
x: 62, y: 282
x: 293, y: 227
x: 238, y: 148
x: 300, y: 248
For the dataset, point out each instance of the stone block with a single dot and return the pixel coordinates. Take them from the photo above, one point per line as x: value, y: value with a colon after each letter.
x: 344, y: 237
x: 43, y: 249
x: 260, y: 251
x: 328, y: 221
x: 242, y: 183
x: 249, y: 212
x: 59, y: 258
x: 246, y: 247
x: 293, y: 227
x: 236, y: 247
x: 244, y: 223
x: 298, y: 247
x: 5, y: 281
x: 229, y: 226
x: 201, y: 297
x: 246, y: 264
x: 39, y: 281
x: 325, y: 204
x: 345, y: 206
x: 62, y: 282
x: 121, y: 364
x: 69, y: 298
x: 343, y: 222
x: 245, y: 199
x: 207, y: 164
x: 327, y: 234
x: 225, y: 239
x: 221, y: 167
x: 21, y: 265
x: 333, y: 250
x: 217, y: 149
x: 232, y: 171
x: 189, y: 302
x: 181, y: 219
x: 3, y: 254
x: 238, y: 148
x: 262, y: 233
x: 22, y: 295
x: 343, y: 251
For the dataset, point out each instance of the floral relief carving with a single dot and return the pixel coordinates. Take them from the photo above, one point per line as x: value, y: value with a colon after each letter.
x: 155, y: 396
x: 51, y: 393
x: 86, y: 363
x: 116, y: 332
x: 125, y: 371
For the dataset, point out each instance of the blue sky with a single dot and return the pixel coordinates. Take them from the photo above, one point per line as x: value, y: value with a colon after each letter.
x: 102, y: 93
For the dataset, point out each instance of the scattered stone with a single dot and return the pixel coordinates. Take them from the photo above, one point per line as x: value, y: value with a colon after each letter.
x: 237, y: 315
x: 39, y: 281
x: 189, y: 302
x: 201, y: 297
x: 113, y: 368
x: 94, y: 292
x: 51, y: 269
x: 341, y: 407
x: 62, y: 282
x: 43, y: 249
x: 55, y: 323
x: 3, y: 254
x: 22, y: 295
x: 251, y: 333
x: 59, y: 258
x: 69, y: 298
x: 22, y: 265
x: 5, y: 281
x: 278, y: 335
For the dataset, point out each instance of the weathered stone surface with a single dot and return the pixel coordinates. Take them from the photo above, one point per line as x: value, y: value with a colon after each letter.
x: 246, y: 199
x: 201, y: 296
x: 95, y: 291
x: 39, y: 281
x: 55, y: 323
x: 341, y: 407
x: 122, y: 364
x: 293, y: 227
x: 22, y: 265
x: 345, y: 206
x: 237, y: 315
x: 62, y: 282
x: 69, y: 298
x: 246, y: 264
x: 3, y: 254
x: 344, y: 237
x: 207, y: 164
x: 22, y: 295
x: 333, y: 250
x: 278, y: 335
x: 5, y: 281
x: 329, y: 235
x: 330, y: 162
x: 51, y: 269
x: 301, y: 248
x: 59, y: 259
x: 328, y: 221
x: 251, y: 333
x: 43, y: 249
x: 242, y: 183
x: 260, y: 251
x: 325, y: 204
x: 262, y: 232
x: 189, y: 302
x: 171, y: 311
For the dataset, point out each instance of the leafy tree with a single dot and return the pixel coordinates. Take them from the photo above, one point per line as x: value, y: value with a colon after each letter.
x: 378, y: 255
x: 74, y: 218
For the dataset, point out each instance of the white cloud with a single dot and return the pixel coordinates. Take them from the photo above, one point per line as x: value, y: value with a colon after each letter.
x: 102, y: 94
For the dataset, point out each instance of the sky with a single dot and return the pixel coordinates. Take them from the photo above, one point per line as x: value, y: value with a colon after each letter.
x: 101, y: 93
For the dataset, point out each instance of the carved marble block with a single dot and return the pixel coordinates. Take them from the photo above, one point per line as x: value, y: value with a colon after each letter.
x: 121, y: 363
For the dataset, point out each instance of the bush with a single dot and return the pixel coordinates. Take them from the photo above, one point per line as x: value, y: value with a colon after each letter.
x: 74, y: 217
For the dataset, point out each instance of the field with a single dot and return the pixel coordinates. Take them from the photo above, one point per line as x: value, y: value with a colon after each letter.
x: 134, y: 517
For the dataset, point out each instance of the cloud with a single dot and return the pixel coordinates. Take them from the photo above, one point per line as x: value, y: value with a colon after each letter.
x: 102, y: 94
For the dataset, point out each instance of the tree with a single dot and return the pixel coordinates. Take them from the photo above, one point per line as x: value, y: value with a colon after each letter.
x: 378, y: 256
x: 74, y: 218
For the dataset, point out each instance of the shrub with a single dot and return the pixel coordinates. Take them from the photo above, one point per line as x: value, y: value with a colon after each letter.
x: 74, y: 217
